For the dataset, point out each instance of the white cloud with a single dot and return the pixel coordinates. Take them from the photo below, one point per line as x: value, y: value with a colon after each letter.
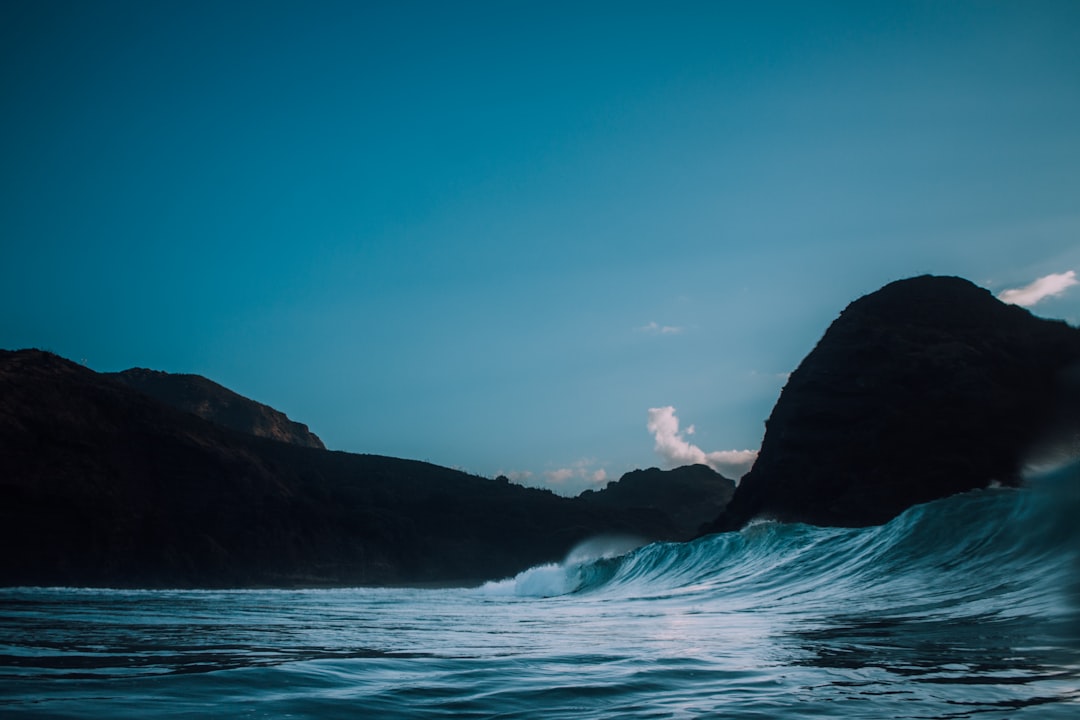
x: 676, y: 450
x: 580, y: 475
x: 559, y: 476
x: 654, y: 328
x: 731, y: 463
x: 1047, y: 286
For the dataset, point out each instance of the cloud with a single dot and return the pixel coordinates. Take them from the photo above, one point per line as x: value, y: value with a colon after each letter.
x: 559, y: 476
x: 676, y: 450
x: 655, y: 329
x: 580, y: 475
x: 785, y: 376
x: 1046, y: 286
x: 731, y: 463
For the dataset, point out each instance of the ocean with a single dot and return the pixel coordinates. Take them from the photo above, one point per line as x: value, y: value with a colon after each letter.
x: 968, y: 607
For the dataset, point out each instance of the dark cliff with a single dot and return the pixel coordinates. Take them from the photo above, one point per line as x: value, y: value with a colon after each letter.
x: 103, y: 485
x: 923, y: 389
x: 213, y: 402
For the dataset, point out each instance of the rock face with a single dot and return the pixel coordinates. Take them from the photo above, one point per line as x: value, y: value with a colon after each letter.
x: 210, y: 401
x: 691, y: 495
x: 104, y: 485
x: 925, y: 388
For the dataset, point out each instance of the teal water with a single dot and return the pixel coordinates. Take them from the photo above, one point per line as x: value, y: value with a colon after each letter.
x: 968, y: 607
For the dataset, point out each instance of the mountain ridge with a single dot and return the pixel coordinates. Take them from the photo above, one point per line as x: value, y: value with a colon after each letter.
x: 104, y: 485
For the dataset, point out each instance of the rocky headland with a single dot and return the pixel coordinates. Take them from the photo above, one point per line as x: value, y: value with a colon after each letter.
x: 928, y: 387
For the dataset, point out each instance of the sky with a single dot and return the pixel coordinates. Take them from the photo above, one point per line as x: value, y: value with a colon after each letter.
x: 556, y: 241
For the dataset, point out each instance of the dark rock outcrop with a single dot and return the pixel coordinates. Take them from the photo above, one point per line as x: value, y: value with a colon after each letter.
x: 213, y: 402
x: 103, y: 485
x: 691, y: 495
x: 925, y: 388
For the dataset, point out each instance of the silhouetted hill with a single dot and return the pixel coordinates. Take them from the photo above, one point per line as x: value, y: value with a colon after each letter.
x: 925, y: 388
x: 691, y: 495
x: 105, y: 485
x: 218, y: 404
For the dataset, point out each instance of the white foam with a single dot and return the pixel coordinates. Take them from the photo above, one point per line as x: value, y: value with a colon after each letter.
x: 555, y: 579
x: 541, y: 581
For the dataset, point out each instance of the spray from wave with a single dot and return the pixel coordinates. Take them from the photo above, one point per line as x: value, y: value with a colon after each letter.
x: 570, y: 575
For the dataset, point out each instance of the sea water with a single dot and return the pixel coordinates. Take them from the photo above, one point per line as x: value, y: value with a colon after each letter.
x: 968, y: 607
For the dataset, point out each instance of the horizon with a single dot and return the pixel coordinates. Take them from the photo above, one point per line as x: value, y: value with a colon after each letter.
x: 544, y: 241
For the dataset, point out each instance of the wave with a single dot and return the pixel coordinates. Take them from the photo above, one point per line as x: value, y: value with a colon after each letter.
x: 983, y: 547
x: 572, y: 574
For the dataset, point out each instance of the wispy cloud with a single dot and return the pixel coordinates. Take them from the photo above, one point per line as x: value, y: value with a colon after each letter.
x: 580, y: 475
x: 1046, y: 286
x: 676, y: 450
x: 785, y: 376
x: 654, y: 328
x: 557, y: 477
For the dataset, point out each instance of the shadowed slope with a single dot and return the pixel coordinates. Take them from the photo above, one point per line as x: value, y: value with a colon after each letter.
x: 218, y: 404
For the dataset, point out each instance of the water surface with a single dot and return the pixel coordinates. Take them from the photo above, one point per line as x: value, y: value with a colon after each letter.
x: 963, y: 608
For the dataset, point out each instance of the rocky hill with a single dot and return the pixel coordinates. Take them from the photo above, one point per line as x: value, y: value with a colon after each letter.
x: 210, y: 401
x: 925, y: 388
x: 691, y: 495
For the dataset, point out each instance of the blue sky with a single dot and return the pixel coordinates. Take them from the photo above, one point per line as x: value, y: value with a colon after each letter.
x: 495, y: 235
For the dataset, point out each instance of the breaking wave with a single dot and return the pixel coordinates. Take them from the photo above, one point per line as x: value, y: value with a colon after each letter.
x: 1021, y: 546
